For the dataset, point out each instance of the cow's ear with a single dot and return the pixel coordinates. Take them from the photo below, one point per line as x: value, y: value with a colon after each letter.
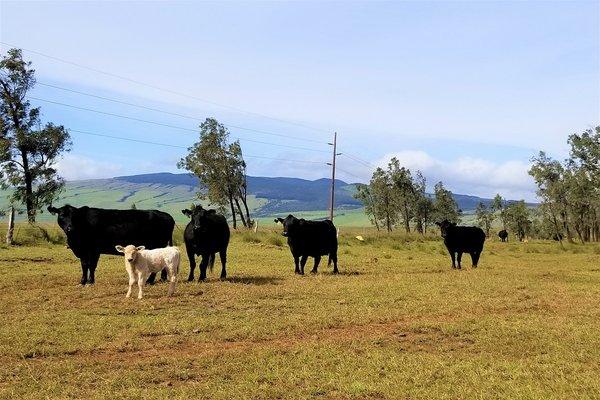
x: 52, y: 210
x: 280, y: 220
x: 140, y: 248
x: 187, y: 212
x: 120, y: 249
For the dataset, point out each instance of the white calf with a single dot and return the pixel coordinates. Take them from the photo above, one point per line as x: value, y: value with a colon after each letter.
x: 140, y: 263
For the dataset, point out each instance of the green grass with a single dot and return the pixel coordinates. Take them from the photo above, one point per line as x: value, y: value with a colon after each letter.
x: 396, y: 323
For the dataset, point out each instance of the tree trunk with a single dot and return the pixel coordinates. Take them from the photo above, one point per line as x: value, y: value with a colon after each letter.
x: 11, y: 226
x: 232, y: 211
x: 237, y: 203
x: 28, y: 188
x: 243, y: 197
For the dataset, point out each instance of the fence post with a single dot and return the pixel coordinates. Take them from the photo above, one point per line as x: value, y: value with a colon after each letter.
x: 11, y: 226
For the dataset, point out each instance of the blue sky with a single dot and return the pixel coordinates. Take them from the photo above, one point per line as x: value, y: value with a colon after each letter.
x: 465, y: 91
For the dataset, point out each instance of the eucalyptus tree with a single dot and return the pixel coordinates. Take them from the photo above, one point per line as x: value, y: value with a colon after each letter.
x: 28, y: 150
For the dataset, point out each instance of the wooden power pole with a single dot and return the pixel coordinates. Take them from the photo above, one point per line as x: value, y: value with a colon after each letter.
x: 332, y: 163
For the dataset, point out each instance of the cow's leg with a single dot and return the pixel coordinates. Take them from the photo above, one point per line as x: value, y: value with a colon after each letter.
x: 223, y: 257
x: 132, y: 279
x: 475, y: 258
x: 92, y: 264
x: 163, y: 275
x: 84, y: 269
x: 172, y: 279
x: 151, y: 278
x: 459, y: 258
x: 192, y: 259
x: 333, y: 257
x: 203, y: 265
x: 317, y: 260
x: 141, y: 282
x: 452, y: 256
x: 297, y: 264
x: 302, y: 264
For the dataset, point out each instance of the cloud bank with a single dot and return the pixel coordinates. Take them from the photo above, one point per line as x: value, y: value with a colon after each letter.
x: 469, y: 175
x: 74, y: 167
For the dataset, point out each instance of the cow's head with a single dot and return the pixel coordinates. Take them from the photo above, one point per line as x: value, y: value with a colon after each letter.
x: 290, y: 224
x: 200, y: 218
x: 445, y: 225
x: 66, y: 217
x: 130, y: 252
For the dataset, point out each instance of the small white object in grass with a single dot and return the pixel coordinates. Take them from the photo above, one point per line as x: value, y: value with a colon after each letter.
x: 360, y: 238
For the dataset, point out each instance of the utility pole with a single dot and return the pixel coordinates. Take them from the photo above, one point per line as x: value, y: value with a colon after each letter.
x: 332, y: 163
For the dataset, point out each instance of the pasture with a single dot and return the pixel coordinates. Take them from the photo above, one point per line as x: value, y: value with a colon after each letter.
x: 396, y: 323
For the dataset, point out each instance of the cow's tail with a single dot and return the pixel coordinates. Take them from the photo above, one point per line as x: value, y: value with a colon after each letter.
x: 211, y: 262
x: 329, y: 260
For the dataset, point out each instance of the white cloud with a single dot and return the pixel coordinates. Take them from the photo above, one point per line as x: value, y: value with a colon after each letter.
x: 469, y: 175
x: 73, y: 167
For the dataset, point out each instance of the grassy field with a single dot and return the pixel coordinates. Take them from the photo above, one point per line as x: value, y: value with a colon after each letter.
x: 397, y: 323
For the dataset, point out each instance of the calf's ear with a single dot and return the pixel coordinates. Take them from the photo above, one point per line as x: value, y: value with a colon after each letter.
x: 187, y: 212
x: 52, y: 210
x: 120, y: 249
x: 140, y: 248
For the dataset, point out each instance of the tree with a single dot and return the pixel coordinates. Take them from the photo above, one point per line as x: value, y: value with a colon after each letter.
x: 424, y: 208
x: 518, y: 219
x: 445, y: 207
x: 584, y: 183
x: 549, y: 175
x: 385, y: 208
x: 498, y: 206
x: 364, y: 195
x: 485, y: 217
x: 28, y: 151
x: 404, y: 191
x: 221, y: 170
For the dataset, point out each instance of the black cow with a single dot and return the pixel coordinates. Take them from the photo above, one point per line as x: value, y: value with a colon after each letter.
x: 503, y: 235
x: 206, y: 234
x: 310, y: 239
x: 94, y: 231
x: 462, y: 239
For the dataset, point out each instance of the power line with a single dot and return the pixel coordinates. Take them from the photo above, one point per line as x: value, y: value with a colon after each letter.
x: 165, y: 89
x: 358, y: 159
x: 168, y: 125
x: 176, y: 114
x: 348, y: 173
x: 183, y: 147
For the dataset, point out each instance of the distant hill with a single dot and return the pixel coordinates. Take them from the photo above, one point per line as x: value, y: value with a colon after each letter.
x: 289, y: 194
x: 281, y: 194
x: 267, y: 196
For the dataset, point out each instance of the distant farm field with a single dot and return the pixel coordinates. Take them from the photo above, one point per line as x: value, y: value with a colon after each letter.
x: 396, y: 323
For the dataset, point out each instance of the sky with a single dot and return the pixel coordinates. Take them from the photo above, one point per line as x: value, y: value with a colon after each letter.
x: 466, y: 92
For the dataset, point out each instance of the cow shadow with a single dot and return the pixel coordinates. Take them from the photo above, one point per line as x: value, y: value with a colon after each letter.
x: 254, y: 280
x: 346, y: 273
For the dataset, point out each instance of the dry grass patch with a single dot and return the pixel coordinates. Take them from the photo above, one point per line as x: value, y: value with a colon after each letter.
x: 396, y: 323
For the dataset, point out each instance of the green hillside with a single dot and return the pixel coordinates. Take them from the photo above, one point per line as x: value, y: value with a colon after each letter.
x: 269, y: 197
